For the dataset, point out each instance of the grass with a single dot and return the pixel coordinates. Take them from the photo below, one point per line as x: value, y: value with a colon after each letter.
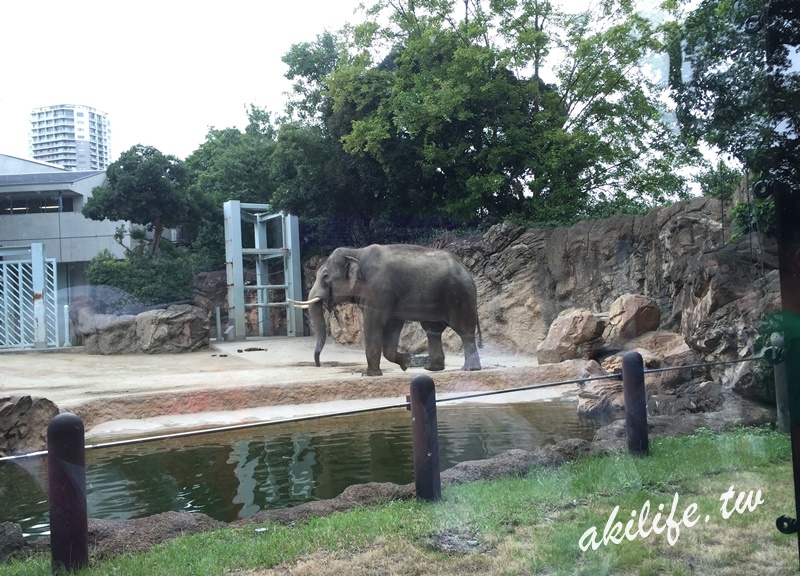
x: 530, y: 525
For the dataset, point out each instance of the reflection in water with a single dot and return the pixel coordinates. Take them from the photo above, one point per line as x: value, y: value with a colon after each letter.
x: 234, y: 475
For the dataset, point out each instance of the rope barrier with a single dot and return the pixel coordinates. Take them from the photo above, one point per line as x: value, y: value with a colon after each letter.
x: 230, y: 428
x: 467, y: 396
x: 692, y: 366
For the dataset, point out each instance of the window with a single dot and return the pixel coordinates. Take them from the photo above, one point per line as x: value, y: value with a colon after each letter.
x: 38, y: 205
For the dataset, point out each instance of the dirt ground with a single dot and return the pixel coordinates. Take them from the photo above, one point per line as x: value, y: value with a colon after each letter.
x: 237, y: 382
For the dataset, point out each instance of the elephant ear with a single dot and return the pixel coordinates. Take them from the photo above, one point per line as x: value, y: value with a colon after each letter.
x: 352, y: 270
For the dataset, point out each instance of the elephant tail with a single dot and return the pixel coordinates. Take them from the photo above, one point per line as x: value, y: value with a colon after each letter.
x: 480, y: 338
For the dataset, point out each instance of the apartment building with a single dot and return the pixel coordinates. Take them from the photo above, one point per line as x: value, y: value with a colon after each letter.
x: 70, y: 135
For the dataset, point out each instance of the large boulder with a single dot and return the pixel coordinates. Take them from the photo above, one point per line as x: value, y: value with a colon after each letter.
x: 23, y: 423
x: 181, y: 328
x: 631, y: 315
x: 107, y: 333
x: 176, y: 328
x: 575, y: 333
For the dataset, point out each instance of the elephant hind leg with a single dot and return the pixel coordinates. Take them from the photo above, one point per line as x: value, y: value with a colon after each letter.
x: 435, y: 351
x: 391, y: 339
x: 472, y: 361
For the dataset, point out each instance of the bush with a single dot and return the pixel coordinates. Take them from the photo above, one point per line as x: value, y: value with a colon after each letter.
x: 143, y: 280
x: 758, y: 217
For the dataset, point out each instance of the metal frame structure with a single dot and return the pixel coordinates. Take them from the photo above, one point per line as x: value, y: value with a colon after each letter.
x: 276, y: 239
x: 28, y: 288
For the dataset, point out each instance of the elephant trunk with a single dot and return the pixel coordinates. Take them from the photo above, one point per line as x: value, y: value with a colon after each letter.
x: 318, y: 321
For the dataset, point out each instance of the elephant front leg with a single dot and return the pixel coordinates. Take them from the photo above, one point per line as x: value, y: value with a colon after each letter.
x: 372, y: 342
x: 435, y: 350
x: 391, y: 339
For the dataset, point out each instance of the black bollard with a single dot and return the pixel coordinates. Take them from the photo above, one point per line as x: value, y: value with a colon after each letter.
x: 66, y: 467
x: 425, y: 434
x: 635, y: 403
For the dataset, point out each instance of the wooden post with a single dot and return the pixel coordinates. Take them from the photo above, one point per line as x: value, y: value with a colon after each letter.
x: 66, y: 468
x: 425, y: 435
x: 635, y: 403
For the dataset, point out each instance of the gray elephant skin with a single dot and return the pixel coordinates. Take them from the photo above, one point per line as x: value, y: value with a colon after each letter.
x: 394, y: 284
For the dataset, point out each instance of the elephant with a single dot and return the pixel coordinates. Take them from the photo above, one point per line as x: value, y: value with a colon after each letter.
x: 394, y: 284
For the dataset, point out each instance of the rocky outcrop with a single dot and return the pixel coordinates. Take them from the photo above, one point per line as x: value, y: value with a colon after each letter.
x: 580, y: 333
x: 706, y: 290
x: 177, y: 328
x: 23, y: 424
x: 631, y: 324
x: 630, y: 316
x: 711, y: 293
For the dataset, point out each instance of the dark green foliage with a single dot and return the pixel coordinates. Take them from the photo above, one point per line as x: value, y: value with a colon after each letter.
x: 143, y: 280
x: 144, y: 187
x: 737, y: 96
x: 756, y: 217
x: 230, y: 165
x: 454, y: 126
x: 719, y: 181
x: 234, y: 165
x: 208, y: 247
x: 724, y: 100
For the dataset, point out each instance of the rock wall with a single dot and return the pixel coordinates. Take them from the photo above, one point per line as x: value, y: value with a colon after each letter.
x: 712, y: 292
x: 706, y: 289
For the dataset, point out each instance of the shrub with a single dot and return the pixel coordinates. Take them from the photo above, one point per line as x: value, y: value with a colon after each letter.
x: 143, y: 280
x: 758, y: 217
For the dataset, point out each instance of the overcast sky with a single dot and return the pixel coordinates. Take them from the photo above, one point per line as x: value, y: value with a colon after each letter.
x: 163, y: 70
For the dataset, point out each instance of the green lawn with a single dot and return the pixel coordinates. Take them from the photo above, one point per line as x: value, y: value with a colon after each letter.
x: 553, y: 521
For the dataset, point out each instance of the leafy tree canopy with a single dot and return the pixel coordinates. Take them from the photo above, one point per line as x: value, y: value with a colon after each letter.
x: 230, y: 165
x: 731, y: 92
x: 442, y: 110
x: 144, y: 187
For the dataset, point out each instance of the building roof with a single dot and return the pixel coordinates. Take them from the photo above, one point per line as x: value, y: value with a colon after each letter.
x: 66, y: 177
x: 40, y: 182
x: 10, y: 164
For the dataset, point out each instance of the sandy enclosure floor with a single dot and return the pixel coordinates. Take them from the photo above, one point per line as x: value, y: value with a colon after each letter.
x: 240, y: 382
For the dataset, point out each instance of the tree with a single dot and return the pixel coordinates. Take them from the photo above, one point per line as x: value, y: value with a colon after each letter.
x: 445, y: 113
x: 230, y: 165
x: 144, y: 187
x: 731, y: 92
x: 233, y: 164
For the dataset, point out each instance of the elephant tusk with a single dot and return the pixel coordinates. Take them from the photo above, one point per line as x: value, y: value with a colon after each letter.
x: 303, y: 304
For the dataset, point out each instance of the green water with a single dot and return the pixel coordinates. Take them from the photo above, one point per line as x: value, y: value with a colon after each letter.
x: 234, y: 475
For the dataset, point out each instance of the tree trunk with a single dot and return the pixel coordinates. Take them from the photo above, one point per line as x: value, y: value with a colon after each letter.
x: 158, y: 230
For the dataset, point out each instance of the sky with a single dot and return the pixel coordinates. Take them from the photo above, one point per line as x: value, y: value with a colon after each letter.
x: 164, y: 71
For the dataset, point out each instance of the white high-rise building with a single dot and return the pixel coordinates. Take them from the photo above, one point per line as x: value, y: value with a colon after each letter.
x: 76, y: 137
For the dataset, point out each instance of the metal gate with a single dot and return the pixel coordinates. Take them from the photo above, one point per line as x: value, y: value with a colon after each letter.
x: 282, y: 244
x: 28, y: 316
